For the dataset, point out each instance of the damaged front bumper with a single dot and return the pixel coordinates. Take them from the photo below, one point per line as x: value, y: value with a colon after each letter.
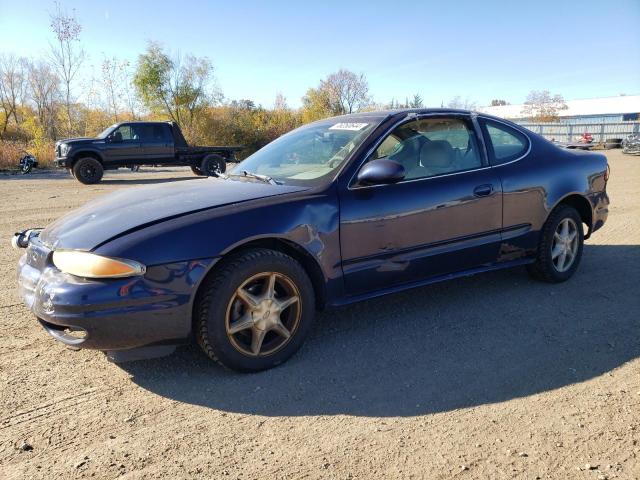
x: 117, y: 314
x: 631, y: 144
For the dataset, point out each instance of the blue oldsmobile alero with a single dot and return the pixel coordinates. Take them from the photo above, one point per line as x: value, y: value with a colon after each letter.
x: 337, y: 211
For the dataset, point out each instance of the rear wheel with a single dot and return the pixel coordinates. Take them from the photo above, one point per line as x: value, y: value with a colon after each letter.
x: 212, y: 165
x: 560, y: 248
x: 255, y: 311
x: 88, y: 170
x: 197, y: 171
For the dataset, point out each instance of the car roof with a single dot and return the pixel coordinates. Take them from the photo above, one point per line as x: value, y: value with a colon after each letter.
x: 398, y: 111
x: 166, y: 122
x: 382, y: 114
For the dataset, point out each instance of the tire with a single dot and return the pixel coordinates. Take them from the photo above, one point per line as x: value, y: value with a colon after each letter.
x: 197, y: 171
x: 212, y: 165
x: 218, y: 308
x: 70, y: 171
x: 545, y: 267
x: 88, y: 170
x: 611, y: 143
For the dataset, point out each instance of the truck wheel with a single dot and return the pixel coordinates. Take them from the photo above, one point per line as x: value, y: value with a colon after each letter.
x: 560, y: 248
x: 88, y: 170
x: 197, y: 171
x: 255, y: 311
x: 212, y: 165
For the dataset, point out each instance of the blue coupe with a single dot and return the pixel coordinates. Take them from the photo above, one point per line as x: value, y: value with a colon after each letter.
x: 334, y: 212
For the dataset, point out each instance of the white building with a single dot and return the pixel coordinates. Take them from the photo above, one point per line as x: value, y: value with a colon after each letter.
x: 593, y: 110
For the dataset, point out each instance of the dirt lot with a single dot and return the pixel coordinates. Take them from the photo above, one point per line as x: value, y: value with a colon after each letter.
x: 495, y: 376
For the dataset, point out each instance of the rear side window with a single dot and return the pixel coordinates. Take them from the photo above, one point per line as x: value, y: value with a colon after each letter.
x: 505, y: 143
x: 432, y: 146
x: 164, y: 133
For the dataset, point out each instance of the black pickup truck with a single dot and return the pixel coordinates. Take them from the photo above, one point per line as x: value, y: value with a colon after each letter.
x: 131, y: 144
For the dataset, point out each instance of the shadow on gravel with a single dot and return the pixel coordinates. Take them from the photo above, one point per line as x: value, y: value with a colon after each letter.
x: 144, y: 181
x: 122, y: 177
x: 459, y: 344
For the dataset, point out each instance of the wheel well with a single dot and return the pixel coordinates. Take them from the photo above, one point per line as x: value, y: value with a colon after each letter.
x: 583, y: 207
x: 296, y: 252
x: 80, y: 155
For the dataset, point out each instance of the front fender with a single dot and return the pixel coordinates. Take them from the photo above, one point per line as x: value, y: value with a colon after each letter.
x: 309, y: 220
x: 73, y: 156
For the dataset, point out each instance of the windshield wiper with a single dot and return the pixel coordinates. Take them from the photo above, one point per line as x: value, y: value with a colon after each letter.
x: 257, y: 176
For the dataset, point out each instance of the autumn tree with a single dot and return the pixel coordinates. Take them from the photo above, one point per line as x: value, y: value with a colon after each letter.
x: 280, y: 103
x: 115, y: 84
x: 316, y: 104
x: 340, y: 93
x: 43, y: 91
x: 67, y: 55
x: 13, y: 84
x: 541, y: 106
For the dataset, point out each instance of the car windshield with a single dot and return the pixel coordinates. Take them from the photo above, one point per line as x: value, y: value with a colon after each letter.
x: 310, y: 154
x: 106, y: 131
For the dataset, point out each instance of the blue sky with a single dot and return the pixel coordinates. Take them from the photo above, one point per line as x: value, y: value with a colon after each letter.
x: 475, y: 49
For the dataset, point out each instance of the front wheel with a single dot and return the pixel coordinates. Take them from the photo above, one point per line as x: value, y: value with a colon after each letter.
x: 255, y: 311
x: 88, y: 170
x: 560, y: 248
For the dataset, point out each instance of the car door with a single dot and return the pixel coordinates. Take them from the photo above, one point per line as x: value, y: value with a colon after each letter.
x: 157, y: 143
x: 123, y: 145
x: 444, y: 217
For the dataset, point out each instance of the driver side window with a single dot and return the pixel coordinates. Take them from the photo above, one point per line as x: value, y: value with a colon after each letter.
x: 124, y: 133
x: 432, y: 146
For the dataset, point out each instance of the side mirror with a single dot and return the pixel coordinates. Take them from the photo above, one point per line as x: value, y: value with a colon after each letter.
x: 381, y: 171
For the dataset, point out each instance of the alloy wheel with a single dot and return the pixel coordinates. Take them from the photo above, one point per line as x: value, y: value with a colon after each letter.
x: 263, y: 314
x: 565, y: 245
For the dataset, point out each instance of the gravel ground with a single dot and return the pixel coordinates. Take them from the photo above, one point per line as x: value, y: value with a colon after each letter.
x: 494, y: 376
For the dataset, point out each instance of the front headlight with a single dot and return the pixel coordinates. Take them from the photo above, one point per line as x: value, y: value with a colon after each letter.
x: 90, y: 265
x: 64, y: 149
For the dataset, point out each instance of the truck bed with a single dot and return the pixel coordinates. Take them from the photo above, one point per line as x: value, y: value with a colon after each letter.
x: 208, y: 149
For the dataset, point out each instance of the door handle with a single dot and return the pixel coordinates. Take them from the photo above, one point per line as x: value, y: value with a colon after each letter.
x: 483, y: 190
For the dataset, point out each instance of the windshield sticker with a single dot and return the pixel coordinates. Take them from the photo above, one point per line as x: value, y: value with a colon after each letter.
x: 348, y: 126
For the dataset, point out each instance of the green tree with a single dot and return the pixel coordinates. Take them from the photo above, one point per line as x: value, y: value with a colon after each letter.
x: 179, y: 87
x: 417, y: 101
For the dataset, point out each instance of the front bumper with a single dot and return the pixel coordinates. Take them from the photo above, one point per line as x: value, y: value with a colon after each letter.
x: 110, y: 314
x: 62, y: 162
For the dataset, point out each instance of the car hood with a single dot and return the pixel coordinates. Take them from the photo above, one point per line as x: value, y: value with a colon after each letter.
x: 132, y: 209
x: 76, y: 141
